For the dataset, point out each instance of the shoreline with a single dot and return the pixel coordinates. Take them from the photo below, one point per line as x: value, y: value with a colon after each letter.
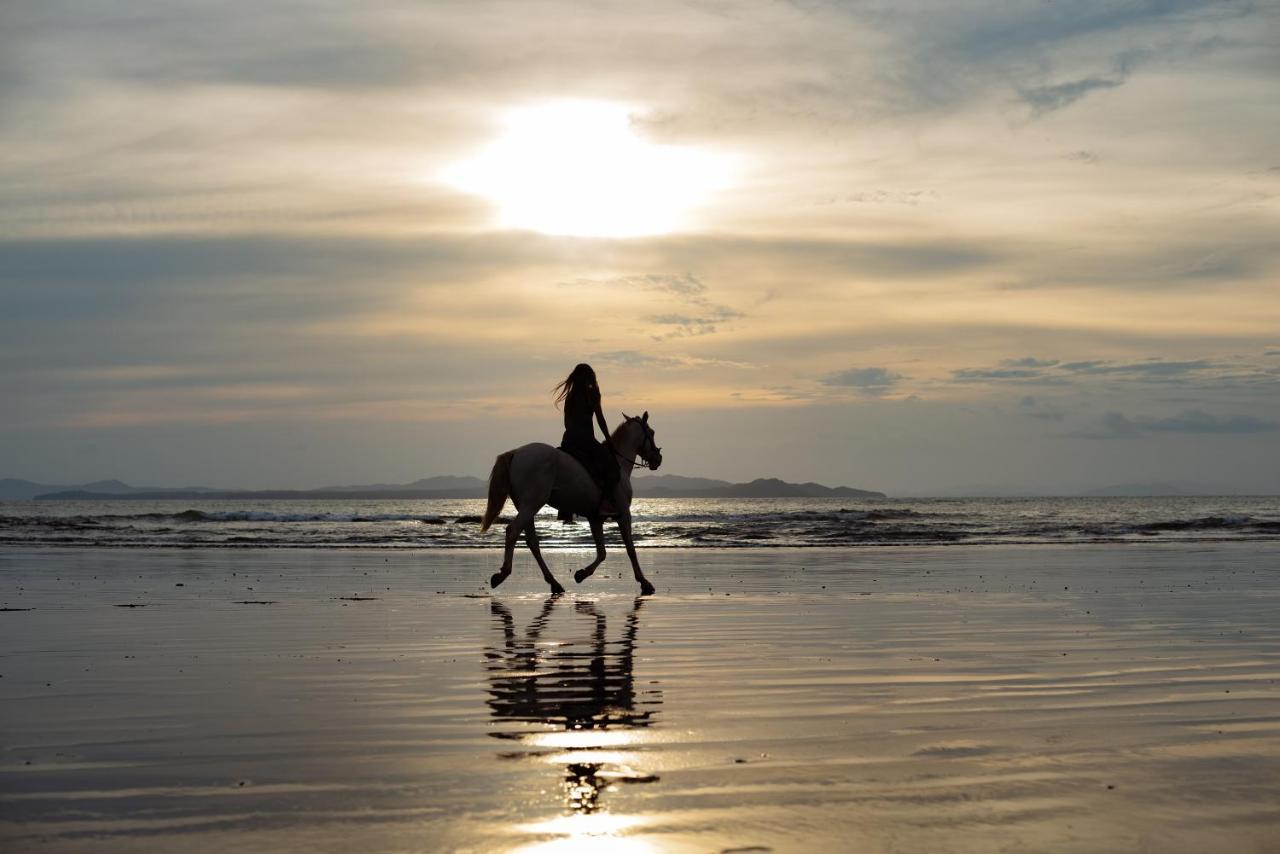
x: 616, y: 546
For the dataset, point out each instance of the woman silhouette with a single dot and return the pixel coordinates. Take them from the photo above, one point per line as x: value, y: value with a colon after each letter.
x: 580, y: 395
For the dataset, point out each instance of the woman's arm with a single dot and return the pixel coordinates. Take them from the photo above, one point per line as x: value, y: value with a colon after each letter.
x: 604, y: 428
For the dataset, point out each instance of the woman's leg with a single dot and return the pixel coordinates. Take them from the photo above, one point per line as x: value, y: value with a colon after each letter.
x: 607, y: 476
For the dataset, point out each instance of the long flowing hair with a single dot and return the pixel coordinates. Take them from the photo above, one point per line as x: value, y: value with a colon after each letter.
x: 579, y: 385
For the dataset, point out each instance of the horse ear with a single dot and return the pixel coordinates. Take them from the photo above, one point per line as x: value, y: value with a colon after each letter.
x: 645, y: 419
x: 626, y: 417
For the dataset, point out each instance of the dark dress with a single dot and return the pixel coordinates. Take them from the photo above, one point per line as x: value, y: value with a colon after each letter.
x: 580, y: 441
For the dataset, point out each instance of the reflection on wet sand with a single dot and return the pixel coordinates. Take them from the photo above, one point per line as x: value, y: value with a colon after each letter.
x: 886, y: 700
x: 572, y: 702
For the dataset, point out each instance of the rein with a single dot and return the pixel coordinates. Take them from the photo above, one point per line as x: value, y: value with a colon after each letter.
x: 639, y: 461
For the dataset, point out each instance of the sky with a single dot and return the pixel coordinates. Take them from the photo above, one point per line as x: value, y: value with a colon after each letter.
x: 914, y: 246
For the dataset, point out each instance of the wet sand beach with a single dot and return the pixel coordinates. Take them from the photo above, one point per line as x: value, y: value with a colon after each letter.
x: 1077, y: 698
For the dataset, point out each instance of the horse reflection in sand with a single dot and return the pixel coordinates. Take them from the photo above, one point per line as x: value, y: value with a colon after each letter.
x: 587, y: 692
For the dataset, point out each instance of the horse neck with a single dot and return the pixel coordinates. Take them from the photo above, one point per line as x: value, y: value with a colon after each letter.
x: 628, y: 447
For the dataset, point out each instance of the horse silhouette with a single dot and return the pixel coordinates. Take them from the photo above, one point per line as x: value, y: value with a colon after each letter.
x: 537, y: 474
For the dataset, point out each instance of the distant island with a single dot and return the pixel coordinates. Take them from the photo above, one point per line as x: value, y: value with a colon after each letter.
x: 443, y: 486
x: 675, y: 486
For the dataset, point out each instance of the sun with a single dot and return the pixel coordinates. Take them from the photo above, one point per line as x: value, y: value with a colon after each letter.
x: 579, y: 168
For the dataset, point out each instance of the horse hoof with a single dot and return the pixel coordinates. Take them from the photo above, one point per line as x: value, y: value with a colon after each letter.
x: 581, y: 576
x: 647, y: 589
x: 497, y: 578
x: 556, y: 589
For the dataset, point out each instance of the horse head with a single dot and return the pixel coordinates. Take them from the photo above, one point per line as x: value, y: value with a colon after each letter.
x: 648, y: 449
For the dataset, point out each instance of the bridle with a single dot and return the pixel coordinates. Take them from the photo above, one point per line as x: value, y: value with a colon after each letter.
x: 641, y: 460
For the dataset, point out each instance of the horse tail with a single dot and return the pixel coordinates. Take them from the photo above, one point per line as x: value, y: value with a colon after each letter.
x: 499, y: 489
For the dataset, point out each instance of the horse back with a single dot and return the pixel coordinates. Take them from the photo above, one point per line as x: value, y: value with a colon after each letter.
x: 547, y: 475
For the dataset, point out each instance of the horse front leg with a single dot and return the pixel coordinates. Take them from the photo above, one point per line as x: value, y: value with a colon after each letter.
x: 624, y: 528
x: 597, y: 534
x: 531, y: 538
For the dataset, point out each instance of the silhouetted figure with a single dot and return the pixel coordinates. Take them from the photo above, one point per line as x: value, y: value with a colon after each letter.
x: 573, y: 688
x: 536, y: 475
x: 580, y: 394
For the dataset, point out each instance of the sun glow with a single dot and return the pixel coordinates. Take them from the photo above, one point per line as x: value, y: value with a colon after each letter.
x: 579, y: 168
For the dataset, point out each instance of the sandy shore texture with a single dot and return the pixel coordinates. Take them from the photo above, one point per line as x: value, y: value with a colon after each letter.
x: 1083, y: 698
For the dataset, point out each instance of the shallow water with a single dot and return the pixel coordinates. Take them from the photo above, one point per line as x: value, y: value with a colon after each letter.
x: 659, y: 522
x: 1087, y: 698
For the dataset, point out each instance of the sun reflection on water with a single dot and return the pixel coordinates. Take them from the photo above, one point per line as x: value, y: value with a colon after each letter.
x: 586, y: 738
x: 586, y: 832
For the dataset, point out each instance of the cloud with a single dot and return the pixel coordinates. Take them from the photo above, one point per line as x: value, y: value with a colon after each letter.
x: 679, y: 325
x: 1046, y: 99
x: 1053, y: 371
x: 1039, y: 409
x: 911, y: 198
x: 1089, y: 158
x: 1197, y: 421
x: 871, y: 381
x: 688, y: 289
x: 685, y: 285
x: 1228, y: 379
x: 1114, y: 425
x: 983, y: 374
x: 1154, y: 368
x: 1019, y: 370
x: 776, y: 394
x: 638, y: 359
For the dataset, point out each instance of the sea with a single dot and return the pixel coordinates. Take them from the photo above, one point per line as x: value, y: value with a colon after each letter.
x: 657, y: 522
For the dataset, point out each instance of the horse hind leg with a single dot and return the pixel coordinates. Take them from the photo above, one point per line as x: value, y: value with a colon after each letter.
x: 514, y: 527
x: 531, y: 538
x: 597, y: 534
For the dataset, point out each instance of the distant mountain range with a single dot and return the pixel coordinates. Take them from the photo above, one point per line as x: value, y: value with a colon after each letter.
x: 452, y: 486
x: 675, y: 486
x: 13, y: 489
x: 443, y: 486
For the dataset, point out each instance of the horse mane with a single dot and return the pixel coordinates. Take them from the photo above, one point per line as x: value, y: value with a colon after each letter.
x: 617, y: 431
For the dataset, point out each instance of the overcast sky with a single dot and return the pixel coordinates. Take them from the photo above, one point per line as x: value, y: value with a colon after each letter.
x: 920, y: 247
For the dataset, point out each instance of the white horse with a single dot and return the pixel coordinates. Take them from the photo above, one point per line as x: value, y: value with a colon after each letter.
x: 538, y: 474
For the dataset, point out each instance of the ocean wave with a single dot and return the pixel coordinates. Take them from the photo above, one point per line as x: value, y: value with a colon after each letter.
x: 844, y: 514
x: 265, y: 516
x: 657, y: 523
x: 1204, y: 523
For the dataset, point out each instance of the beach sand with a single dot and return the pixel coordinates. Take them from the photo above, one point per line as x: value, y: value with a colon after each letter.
x: 1081, y: 698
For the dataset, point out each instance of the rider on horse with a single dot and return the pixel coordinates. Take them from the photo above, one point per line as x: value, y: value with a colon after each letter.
x: 580, y: 394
